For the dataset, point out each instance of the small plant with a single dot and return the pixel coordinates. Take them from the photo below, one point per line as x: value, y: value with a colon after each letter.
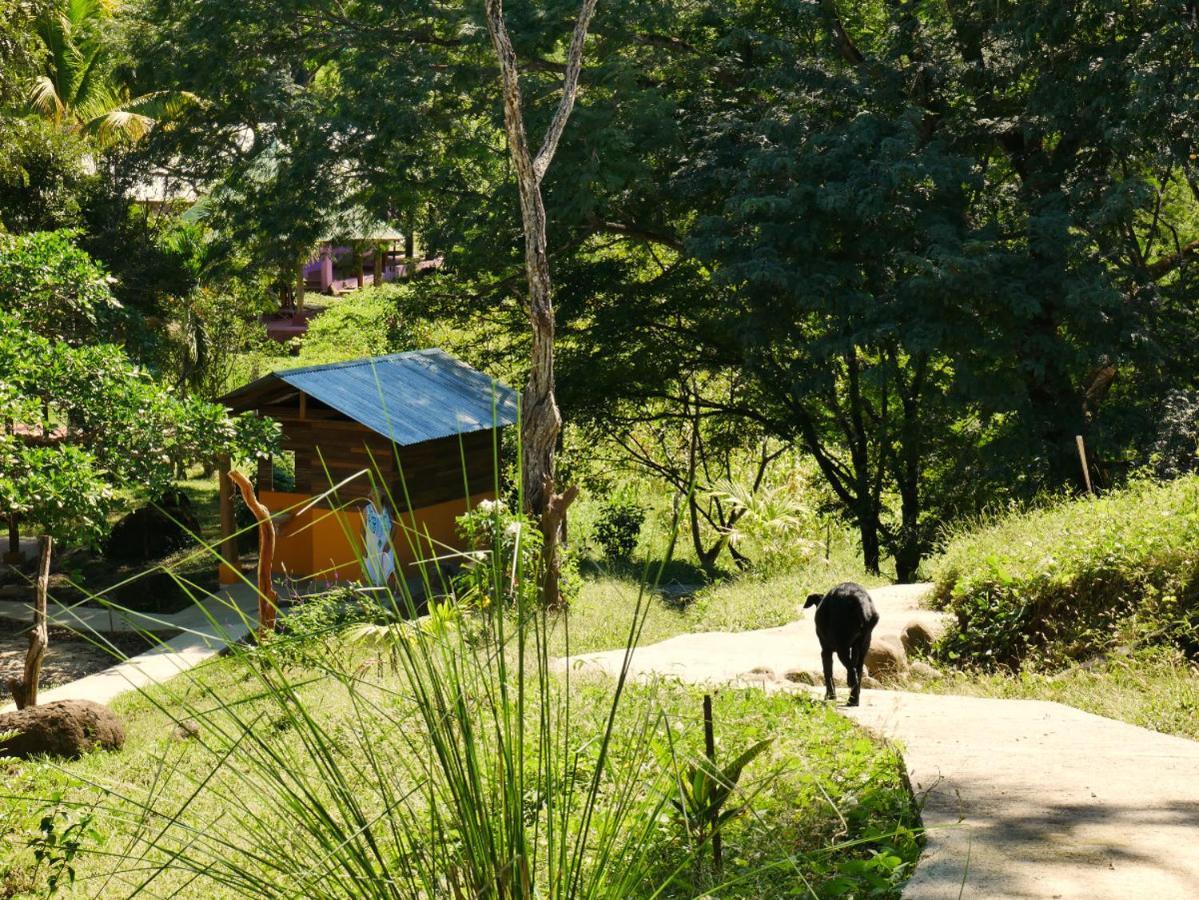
x: 705, y: 788
x: 315, y: 621
x: 619, y: 526
x: 504, y: 542
x: 61, y: 836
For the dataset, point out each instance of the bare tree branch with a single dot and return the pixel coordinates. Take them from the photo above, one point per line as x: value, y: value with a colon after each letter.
x: 570, y: 89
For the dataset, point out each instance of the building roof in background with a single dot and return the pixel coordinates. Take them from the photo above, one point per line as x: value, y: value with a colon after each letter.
x: 408, y: 398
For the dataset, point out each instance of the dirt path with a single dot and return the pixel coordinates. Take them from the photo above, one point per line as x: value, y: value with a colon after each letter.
x: 1022, y: 798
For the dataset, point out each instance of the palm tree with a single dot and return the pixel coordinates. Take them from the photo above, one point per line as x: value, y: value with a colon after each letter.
x: 77, y: 88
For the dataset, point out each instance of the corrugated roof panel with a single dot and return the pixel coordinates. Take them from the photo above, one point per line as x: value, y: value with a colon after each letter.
x: 409, y: 397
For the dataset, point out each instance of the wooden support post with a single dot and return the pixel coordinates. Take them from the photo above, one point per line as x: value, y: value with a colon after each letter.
x: 377, y: 262
x: 301, y: 289
x: 326, y: 268
x: 267, y: 598
x: 266, y: 474
x: 230, y: 571
x: 361, y: 259
x: 1082, y: 458
x: 14, y: 540
x: 710, y: 750
x: 24, y: 691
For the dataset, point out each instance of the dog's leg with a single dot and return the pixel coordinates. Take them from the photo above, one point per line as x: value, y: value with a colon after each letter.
x: 851, y: 674
x: 826, y: 657
x: 861, y: 646
x: 856, y: 656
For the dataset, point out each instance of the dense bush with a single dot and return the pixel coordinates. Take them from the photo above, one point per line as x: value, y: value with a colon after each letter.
x: 369, y: 322
x: 1176, y: 448
x: 1076, y: 577
x: 619, y: 526
x: 500, y: 542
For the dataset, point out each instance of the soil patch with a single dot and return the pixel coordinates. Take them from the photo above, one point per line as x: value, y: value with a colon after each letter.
x: 70, y: 656
x: 141, y: 587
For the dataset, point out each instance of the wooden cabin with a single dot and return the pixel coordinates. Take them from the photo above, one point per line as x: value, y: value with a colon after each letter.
x: 414, y: 435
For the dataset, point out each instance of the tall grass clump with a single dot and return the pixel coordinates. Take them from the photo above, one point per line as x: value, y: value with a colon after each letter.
x: 1074, y: 578
x: 443, y: 759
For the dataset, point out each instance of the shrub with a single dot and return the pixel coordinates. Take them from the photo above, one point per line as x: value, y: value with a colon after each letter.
x: 365, y: 323
x: 618, y: 527
x: 1176, y: 447
x: 1075, y: 577
x: 499, y: 540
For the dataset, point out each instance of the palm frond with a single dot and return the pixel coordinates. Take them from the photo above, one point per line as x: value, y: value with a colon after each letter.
x: 43, y: 97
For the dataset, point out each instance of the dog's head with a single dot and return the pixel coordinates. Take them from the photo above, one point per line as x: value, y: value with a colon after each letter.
x: 813, y: 600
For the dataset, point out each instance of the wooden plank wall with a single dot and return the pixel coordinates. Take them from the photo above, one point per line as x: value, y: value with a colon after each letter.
x: 329, y: 450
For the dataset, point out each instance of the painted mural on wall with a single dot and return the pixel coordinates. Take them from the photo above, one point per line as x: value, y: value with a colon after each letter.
x: 378, y: 557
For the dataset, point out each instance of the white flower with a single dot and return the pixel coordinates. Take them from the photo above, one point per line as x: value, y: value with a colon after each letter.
x: 486, y: 507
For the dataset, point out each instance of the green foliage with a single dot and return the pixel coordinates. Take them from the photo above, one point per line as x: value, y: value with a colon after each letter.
x: 78, y: 87
x: 55, y: 289
x: 619, y: 526
x: 705, y: 789
x: 368, y: 322
x: 916, y: 240
x: 62, y: 835
x: 41, y: 176
x: 1074, y: 578
x: 499, y: 545
x: 88, y: 426
x: 59, y: 487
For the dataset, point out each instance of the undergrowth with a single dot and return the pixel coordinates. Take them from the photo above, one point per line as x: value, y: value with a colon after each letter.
x: 1074, y: 578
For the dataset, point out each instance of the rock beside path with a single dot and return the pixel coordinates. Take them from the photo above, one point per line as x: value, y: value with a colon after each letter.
x: 886, y: 659
x: 66, y: 728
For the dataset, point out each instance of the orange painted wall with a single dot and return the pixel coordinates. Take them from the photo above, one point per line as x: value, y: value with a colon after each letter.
x: 326, y: 544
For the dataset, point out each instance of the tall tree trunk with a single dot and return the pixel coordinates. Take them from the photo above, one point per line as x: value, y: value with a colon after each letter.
x: 540, y: 419
x: 24, y: 690
x: 868, y: 528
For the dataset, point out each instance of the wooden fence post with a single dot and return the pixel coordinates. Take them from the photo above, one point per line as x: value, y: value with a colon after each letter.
x: 710, y: 750
x: 1082, y: 458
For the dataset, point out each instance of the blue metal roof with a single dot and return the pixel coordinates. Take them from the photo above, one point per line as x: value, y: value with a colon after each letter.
x: 407, y: 397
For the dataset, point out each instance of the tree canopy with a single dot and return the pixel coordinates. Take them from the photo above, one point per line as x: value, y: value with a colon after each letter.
x: 930, y: 243
x: 87, y: 429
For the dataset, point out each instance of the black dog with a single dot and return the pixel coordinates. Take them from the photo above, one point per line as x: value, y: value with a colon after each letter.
x: 845, y: 620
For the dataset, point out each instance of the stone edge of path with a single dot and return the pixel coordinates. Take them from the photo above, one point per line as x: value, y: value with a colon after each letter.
x: 207, y: 629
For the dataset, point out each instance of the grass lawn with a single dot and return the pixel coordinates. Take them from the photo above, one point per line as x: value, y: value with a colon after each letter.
x: 827, y: 810
x: 1156, y: 689
x: 600, y: 617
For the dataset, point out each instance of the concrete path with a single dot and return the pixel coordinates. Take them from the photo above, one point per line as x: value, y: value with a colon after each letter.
x: 1022, y: 798
x: 758, y: 656
x: 206, y: 629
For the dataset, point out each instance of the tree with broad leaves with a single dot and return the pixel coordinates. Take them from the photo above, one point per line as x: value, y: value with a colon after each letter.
x: 83, y: 427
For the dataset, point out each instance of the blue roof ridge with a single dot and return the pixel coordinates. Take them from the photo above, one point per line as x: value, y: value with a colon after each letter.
x: 371, y: 360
